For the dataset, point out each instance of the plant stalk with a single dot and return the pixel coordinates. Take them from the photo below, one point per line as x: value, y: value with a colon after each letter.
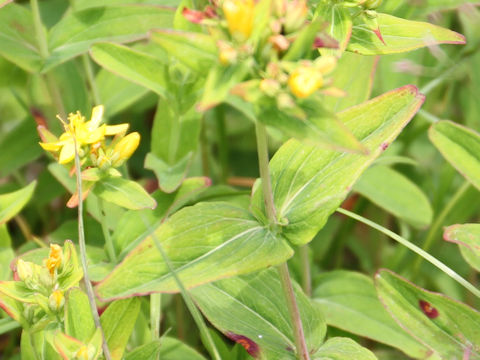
x: 83, y: 255
x: 439, y: 221
x: 87, y: 65
x: 155, y: 315
x: 106, y: 233
x: 262, y: 148
x: 306, y: 271
x: 431, y: 259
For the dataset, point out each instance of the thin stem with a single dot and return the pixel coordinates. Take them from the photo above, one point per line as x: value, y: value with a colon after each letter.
x: 306, y: 272
x: 83, y: 254
x: 197, y: 317
x: 155, y: 315
x: 300, y: 344
x: 222, y: 142
x: 415, y: 249
x: 106, y: 232
x: 439, y: 221
x: 439, y: 79
x: 87, y: 65
x: 262, y: 148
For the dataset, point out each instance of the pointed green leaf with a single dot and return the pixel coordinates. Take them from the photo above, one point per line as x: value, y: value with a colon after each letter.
x: 400, y: 35
x: 138, y: 67
x: 167, y: 347
x: 460, y: 146
x: 349, y: 302
x: 169, y: 177
x: 395, y: 193
x: 467, y: 236
x: 117, y: 324
x: 17, y: 37
x: 317, y: 127
x: 195, y: 50
x: 78, y: 316
x: 6, y: 253
x: 204, y: 243
x: 444, y: 325
x: 354, y: 75
x: 77, y: 31
x: 339, y: 25
x: 12, y: 203
x: 253, y: 308
x: 309, y: 183
x: 304, y: 41
x: 125, y: 193
x: 339, y: 348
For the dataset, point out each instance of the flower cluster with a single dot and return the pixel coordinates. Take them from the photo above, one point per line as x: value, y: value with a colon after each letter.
x: 36, y: 296
x: 91, y: 139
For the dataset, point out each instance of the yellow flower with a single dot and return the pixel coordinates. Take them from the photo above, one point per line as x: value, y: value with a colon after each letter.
x: 85, y: 133
x: 304, y: 81
x: 56, y: 300
x: 82, y: 353
x: 239, y: 15
x: 54, y: 258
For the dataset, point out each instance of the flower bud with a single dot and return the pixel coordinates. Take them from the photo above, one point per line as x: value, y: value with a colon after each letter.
x: 239, y: 15
x: 54, y: 258
x: 296, y: 15
x: 86, y: 352
x: 227, y: 54
x: 24, y: 270
x: 326, y: 64
x: 270, y: 87
x: 304, y: 81
x: 56, y: 300
x: 126, y: 147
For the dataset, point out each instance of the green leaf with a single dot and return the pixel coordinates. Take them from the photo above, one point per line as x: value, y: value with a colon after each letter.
x: 77, y: 31
x: 220, y: 80
x: 397, y: 194
x: 12, y: 203
x: 400, y: 35
x: 448, y: 327
x: 304, y: 41
x: 169, y: 177
x: 197, y: 51
x: 349, y: 302
x: 133, y: 226
x: 117, y: 323
x: 339, y: 348
x: 309, y: 183
x: 354, y: 75
x: 467, y: 236
x: 149, y: 351
x: 6, y: 253
x: 204, y: 243
x: 78, y: 316
x: 139, y: 67
x: 19, y: 146
x: 339, y: 25
x: 125, y: 193
x: 254, y: 308
x: 17, y: 37
x: 460, y: 146
x: 169, y: 349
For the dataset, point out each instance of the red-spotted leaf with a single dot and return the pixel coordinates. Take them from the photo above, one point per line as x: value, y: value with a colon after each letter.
x: 467, y: 236
x: 399, y: 35
x: 446, y: 326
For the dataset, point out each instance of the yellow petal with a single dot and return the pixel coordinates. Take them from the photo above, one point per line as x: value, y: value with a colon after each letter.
x: 51, y: 146
x: 116, y: 129
x: 95, y: 136
x: 67, y: 153
x: 97, y: 114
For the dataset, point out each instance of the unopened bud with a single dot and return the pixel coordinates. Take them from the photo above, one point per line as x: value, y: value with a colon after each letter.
x: 56, y: 300
x: 86, y: 352
x: 269, y: 87
x: 296, y: 15
x: 54, y: 258
x: 239, y: 15
x: 304, y: 81
x: 227, y: 54
x: 24, y: 270
x: 127, y: 146
x: 279, y: 42
x: 326, y: 64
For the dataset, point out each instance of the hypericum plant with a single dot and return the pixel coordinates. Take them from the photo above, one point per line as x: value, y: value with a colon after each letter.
x: 301, y: 73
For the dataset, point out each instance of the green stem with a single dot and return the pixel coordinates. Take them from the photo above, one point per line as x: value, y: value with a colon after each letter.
x: 439, y: 221
x: 87, y: 65
x: 197, y: 317
x: 83, y: 254
x: 106, y: 232
x: 262, y: 148
x: 306, y: 271
x: 32, y: 345
x: 155, y: 315
x: 222, y: 142
x: 437, y: 263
